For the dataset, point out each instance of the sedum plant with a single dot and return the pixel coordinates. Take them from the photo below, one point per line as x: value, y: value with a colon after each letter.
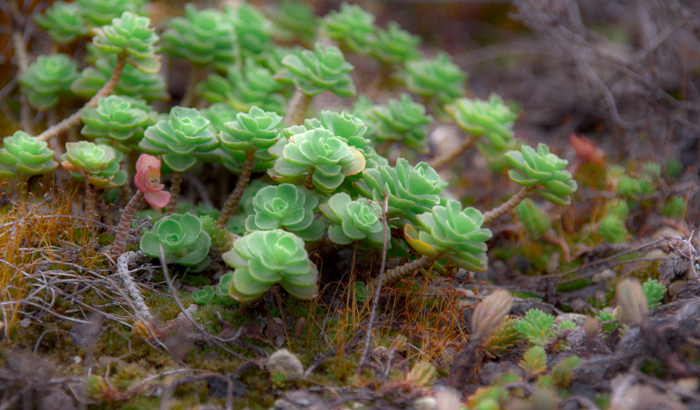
x: 317, y: 158
x: 47, y: 79
x: 22, y: 157
x: 251, y: 134
x: 147, y: 181
x: 97, y: 165
x: 536, y: 222
x: 491, y: 119
x: 287, y: 207
x: 244, y: 88
x: 537, y: 327
x: 116, y: 120
x: 101, y: 12
x: 183, y: 240
x: 182, y: 138
x: 312, y: 73
x: 65, y: 22
x: 204, y: 295
x: 411, y: 189
x: 654, y: 293
x: 401, y: 121
x: 353, y: 26
x: 394, y: 45
x: 294, y: 20
x: 358, y: 220
x: 218, y: 114
x: 203, y: 37
x: 130, y: 36
x: 612, y: 229
x: 253, y: 30
x: 264, y: 258
x: 221, y: 238
x: 439, y: 78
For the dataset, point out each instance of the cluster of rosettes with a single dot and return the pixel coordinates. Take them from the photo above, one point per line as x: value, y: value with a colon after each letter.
x: 354, y: 220
x: 23, y: 156
x: 402, y: 121
x: 132, y: 37
x: 313, y: 72
x: 253, y: 30
x: 47, y: 78
x: 439, y: 78
x: 116, y: 120
x: 257, y: 130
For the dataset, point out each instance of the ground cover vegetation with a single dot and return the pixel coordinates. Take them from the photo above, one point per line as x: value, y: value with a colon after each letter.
x: 245, y: 205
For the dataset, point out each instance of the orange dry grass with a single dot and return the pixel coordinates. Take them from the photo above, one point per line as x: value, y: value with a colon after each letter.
x: 37, y: 234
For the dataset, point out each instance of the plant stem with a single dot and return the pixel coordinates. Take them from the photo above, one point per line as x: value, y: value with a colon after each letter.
x: 90, y: 194
x: 175, y: 183
x: 501, y: 210
x: 22, y: 188
x: 74, y: 119
x: 296, y: 108
x: 309, y: 180
x: 125, y: 190
x: 449, y: 157
x: 189, y: 90
x: 25, y: 111
x: 124, y: 223
x: 378, y: 80
x: 231, y: 205
x: 396, y: 274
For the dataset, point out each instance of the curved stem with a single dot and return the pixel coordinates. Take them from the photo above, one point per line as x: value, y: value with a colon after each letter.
x: 25, y: 111
x: 124, y: 223
x: 396, y: 274
x: 175, y: 183
x: 501, y: 210
x: 449, y: 157
x: 309, y: 180
x: 231, y: 205
x: 296, y: 108
x: 554, y: 239
x: 74, y: 119
x: 188, y: 97
x: 90, y: 194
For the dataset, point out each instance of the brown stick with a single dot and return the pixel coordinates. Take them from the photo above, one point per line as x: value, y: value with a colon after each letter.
x: 188, y: 97
x: 501, y: 210
x: 175, y: 183
x: 396, y: 274
x: 231, y: 205
x: 74, y: 119
x: 296, y: 108
x: 124, y: 223
x: 25, y: 111
x: 309, y: 180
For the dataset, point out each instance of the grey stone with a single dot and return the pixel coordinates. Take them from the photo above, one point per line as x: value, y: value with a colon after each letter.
x: 286, y: 363
x: 603, y: 275
x: 425, y: 403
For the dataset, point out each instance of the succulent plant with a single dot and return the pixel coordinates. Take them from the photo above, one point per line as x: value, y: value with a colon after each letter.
x: 64, y: 21
x: 503, y: 340
x: 402, y: 121
x: 253, y: 30
x: 612, y: 229
x: 439, y: 78
x: 491, y: 119
x: 674, y: 207
x: 202, y: 37
x: 101, y: 12
x: 423, y: 375
x: 318, y: 156
x: 99, y: 163
x: 184, y: 242
x: 343, y: 125
x: 263, y: 258
x: 182, y: 138
x: 452, y: 233
x: 654, y: 292
x: 224, y: 284
x: 47, y: 78
x: 147, y: 180
x: 23, y: 156
x: 218, y: 114
x: 617, y: 208
x: 534, y: 361
x: 544, y: 169
x: 132, y: 83
x: 361, y: 293
x: 287, y: 207
x: 294, y: 19
x: 244, y: 88
x: 356, y: 220
x: 204, y: 295
x: 313, y: 72
x: 537, y: 327
x: 221, y: 238
x: 411, y: 190
x: 353, y: 26
x: 131, y: 36
x: 563, y: 372
x: 395, y: 45
x: 116, y: 120
x: 533, y: 218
